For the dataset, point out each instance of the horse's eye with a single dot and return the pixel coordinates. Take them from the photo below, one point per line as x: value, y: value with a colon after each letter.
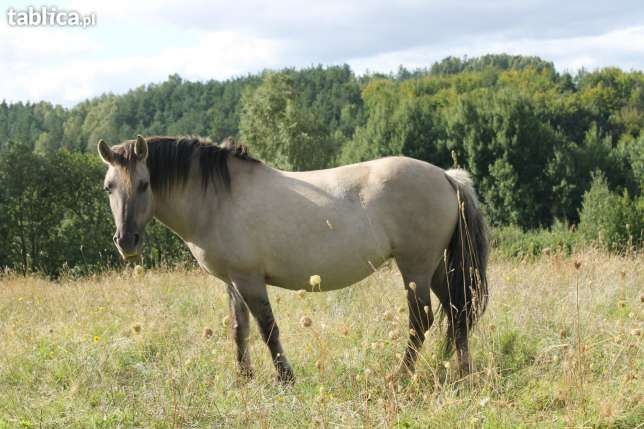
x: 143, y: 186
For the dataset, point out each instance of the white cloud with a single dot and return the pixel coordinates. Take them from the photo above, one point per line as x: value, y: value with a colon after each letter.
x: 218, y: 55
x: 140, y: 42
x: 622, y: 48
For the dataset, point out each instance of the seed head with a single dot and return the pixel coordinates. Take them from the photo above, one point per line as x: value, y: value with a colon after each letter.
x: 315, y: 280
x: 412, y: 286
x: 427, y: 309
x: 139, y: 271
x: 225, y: 322
x: 306, y: 321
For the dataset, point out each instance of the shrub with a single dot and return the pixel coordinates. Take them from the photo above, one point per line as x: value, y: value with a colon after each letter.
x: 512, y: 241
x: 609, y: 220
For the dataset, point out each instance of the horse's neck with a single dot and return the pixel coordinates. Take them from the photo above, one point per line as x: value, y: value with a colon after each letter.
x: 182, y: 208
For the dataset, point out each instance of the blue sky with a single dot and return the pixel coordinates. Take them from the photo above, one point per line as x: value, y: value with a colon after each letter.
x: 139, y: 42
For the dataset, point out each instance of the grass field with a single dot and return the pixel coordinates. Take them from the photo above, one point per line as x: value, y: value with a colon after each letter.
x: 560, y: 346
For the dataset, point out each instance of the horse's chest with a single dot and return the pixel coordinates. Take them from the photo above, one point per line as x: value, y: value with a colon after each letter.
x: 209, y: 261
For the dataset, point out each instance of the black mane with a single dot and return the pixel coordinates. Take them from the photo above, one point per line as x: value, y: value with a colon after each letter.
x: 170, y: 159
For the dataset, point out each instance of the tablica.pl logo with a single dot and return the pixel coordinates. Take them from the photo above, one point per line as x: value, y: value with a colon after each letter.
x: 49, y: 16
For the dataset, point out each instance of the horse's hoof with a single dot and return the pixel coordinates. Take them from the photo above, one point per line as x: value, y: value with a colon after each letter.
x: 246, y: 373
x: 285, y: 377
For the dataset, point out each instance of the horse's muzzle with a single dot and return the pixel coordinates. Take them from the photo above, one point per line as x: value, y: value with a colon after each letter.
x: 128, y: 244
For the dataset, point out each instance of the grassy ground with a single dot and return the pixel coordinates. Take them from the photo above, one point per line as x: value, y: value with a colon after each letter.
x: 153, y: 349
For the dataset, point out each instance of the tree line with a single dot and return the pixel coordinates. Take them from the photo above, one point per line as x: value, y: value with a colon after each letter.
x: 534, y: 139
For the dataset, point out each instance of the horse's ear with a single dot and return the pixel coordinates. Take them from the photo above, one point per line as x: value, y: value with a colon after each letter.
x: 106, y: 153
x: 141, y: 148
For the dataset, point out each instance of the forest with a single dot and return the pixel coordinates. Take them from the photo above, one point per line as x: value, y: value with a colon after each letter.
x: 549, y: 151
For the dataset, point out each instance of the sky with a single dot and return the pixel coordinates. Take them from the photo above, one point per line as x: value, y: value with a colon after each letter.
x: 139, y: 42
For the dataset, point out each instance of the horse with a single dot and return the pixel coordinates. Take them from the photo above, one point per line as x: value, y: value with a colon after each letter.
x: 252, y: 225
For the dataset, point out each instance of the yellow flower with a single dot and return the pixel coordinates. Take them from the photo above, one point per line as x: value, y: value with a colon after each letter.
x: 97, y: 338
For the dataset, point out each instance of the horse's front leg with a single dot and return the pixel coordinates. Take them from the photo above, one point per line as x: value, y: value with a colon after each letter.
x: 240, y: 319
x: 253, y: 290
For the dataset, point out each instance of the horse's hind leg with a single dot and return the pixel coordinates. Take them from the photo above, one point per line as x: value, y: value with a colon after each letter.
x: 239, y: 316
x: 417, y: 285
x: 254, y: 292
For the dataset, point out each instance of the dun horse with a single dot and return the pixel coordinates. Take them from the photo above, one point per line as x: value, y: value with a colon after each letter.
x: 251, y: 225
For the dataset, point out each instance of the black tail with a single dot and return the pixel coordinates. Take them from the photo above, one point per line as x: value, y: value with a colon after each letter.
x: 462, y: 278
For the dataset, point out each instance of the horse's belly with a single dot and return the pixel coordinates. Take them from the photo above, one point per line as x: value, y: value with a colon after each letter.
x: 339, y: 261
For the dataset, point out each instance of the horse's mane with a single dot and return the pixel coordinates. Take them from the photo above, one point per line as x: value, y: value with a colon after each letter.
x: 170, y: 159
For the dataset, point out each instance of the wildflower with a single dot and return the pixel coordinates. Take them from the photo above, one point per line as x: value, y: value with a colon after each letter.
x: 138, y: 271
x: 315, y: 281
x: 207, y: 332
x: 225, y: 322
x: 96, y: 339
x: 306, y: 321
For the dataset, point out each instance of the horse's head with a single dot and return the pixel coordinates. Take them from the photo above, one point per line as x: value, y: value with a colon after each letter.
x: 127, y: 182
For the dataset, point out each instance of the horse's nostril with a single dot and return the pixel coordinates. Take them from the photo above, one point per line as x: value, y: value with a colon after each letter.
x: 115, y: 239
x: 137, y: 237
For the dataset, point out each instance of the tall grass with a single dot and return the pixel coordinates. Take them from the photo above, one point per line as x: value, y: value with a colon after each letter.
x: 560, y: 346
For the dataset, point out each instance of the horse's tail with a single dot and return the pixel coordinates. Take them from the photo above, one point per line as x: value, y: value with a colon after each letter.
x: 461, y: 276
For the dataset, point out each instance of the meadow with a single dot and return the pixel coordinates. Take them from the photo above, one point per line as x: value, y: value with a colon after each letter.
x: 559, y: 346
